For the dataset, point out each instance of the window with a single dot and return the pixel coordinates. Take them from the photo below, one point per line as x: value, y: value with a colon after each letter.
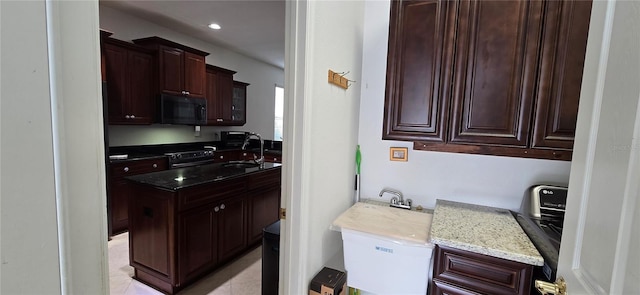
x: 279, y: 113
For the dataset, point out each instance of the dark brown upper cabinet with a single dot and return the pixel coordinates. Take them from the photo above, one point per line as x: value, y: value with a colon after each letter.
x: 180, y: 69
x: 486, y: 77
x: 419, y: 64
x: 226, y: 98
x: 239, y: 103
x: 495, y: 73
x: 219, y: 95
x: 128, y: 71
x: 563, y: 50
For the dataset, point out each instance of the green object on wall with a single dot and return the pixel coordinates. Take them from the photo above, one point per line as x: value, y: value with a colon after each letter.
x: 358, y: 160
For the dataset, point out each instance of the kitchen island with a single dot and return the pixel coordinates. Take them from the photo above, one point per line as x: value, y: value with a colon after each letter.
x: 186, y: 222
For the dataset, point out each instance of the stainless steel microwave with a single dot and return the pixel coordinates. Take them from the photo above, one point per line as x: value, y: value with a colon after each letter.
x: 182, y: 110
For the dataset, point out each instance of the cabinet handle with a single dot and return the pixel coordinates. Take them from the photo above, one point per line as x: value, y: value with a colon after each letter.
x: 183, y: 92
x: 133, y: 116
x: 222, y: 206
x: 218, y: 120
x: 155, y: 165
x: 221, y: 157
x: 126, y: 169
x: 216, y: 209
x: 127, y: 117
x: 187, y: 92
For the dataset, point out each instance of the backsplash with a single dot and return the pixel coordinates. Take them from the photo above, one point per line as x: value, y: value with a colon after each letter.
x: 120, y: 135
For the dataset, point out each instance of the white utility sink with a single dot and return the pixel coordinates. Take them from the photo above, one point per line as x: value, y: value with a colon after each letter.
x: 386, y: 249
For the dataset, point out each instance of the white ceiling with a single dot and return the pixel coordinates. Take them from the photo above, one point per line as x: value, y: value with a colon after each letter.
x: 252, y: 27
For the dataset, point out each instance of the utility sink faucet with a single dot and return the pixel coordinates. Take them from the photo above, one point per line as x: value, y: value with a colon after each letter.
x: 396, y: 201
x: 259, y: 161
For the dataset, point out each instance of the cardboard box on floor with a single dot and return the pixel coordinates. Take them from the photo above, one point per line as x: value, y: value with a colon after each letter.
x: 328, y: 282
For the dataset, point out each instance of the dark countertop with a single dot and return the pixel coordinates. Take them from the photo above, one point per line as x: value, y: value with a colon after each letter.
x: 266, y: 151
x: 155, y: 151
x: 175, y: 179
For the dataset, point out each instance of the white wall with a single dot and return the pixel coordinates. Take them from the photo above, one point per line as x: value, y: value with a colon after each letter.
x: 53, y: 215
x: 321, y: 133
x: 260, y: 94
x: 427, y: 176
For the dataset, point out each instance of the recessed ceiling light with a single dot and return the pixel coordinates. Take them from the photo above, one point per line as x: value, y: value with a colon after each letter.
x: 214, y: 26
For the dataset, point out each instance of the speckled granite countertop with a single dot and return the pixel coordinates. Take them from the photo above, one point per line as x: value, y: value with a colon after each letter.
x: 386, y: 204
x: 480, y: 229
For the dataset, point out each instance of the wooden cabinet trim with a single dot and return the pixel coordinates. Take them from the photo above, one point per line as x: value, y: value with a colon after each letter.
x: 153, y: 41
x: 551, y: 154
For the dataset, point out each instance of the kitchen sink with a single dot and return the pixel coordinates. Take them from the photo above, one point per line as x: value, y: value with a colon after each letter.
x: 241, y: 164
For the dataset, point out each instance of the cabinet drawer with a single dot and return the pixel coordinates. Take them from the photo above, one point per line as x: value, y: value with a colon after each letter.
x: 481, y: 273
x: 133, y: 167
x: 265, y: 179
x: 196, y: 196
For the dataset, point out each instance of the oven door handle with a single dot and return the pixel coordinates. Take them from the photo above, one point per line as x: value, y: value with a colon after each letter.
x: 189, y: 164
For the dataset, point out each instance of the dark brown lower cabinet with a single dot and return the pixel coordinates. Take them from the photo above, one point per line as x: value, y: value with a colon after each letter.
x: 461, y: 272
x: 232, y: 237
x: 120, y: 189
x: 177, y: 237
x: 264, y: 203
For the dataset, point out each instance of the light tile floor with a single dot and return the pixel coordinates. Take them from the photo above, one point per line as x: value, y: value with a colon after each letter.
x: 240, y: 277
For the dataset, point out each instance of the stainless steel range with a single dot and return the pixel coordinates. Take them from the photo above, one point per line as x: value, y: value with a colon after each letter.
x: 190, y: 158
x: 541, y: 216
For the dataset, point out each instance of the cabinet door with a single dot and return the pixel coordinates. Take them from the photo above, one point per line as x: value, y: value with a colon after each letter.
x: 140, y: 96
x: 171, y: 61
x: 232, y: 234
x: 419, y: 64
x: 213, y: 110
x: 118, y: 205
x: 115, y: 58
x: 225, y: 95
x: 120, y: 189
x: 151, y: 229
x: 194, y: 74
x: 564, y: 42
x: 198, y: 242
x: 264, y: 206
x: 238, y: 106
x: 495, y: 72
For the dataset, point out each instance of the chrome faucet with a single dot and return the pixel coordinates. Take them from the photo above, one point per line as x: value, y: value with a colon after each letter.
x: 397, y: 201
x: 259, y: 161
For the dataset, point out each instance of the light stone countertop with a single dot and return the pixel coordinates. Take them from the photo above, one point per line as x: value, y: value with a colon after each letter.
x: 484, y: 230
x: 400, y: 225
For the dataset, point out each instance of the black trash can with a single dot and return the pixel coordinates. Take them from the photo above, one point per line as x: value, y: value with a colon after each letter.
x: 270, y: 258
